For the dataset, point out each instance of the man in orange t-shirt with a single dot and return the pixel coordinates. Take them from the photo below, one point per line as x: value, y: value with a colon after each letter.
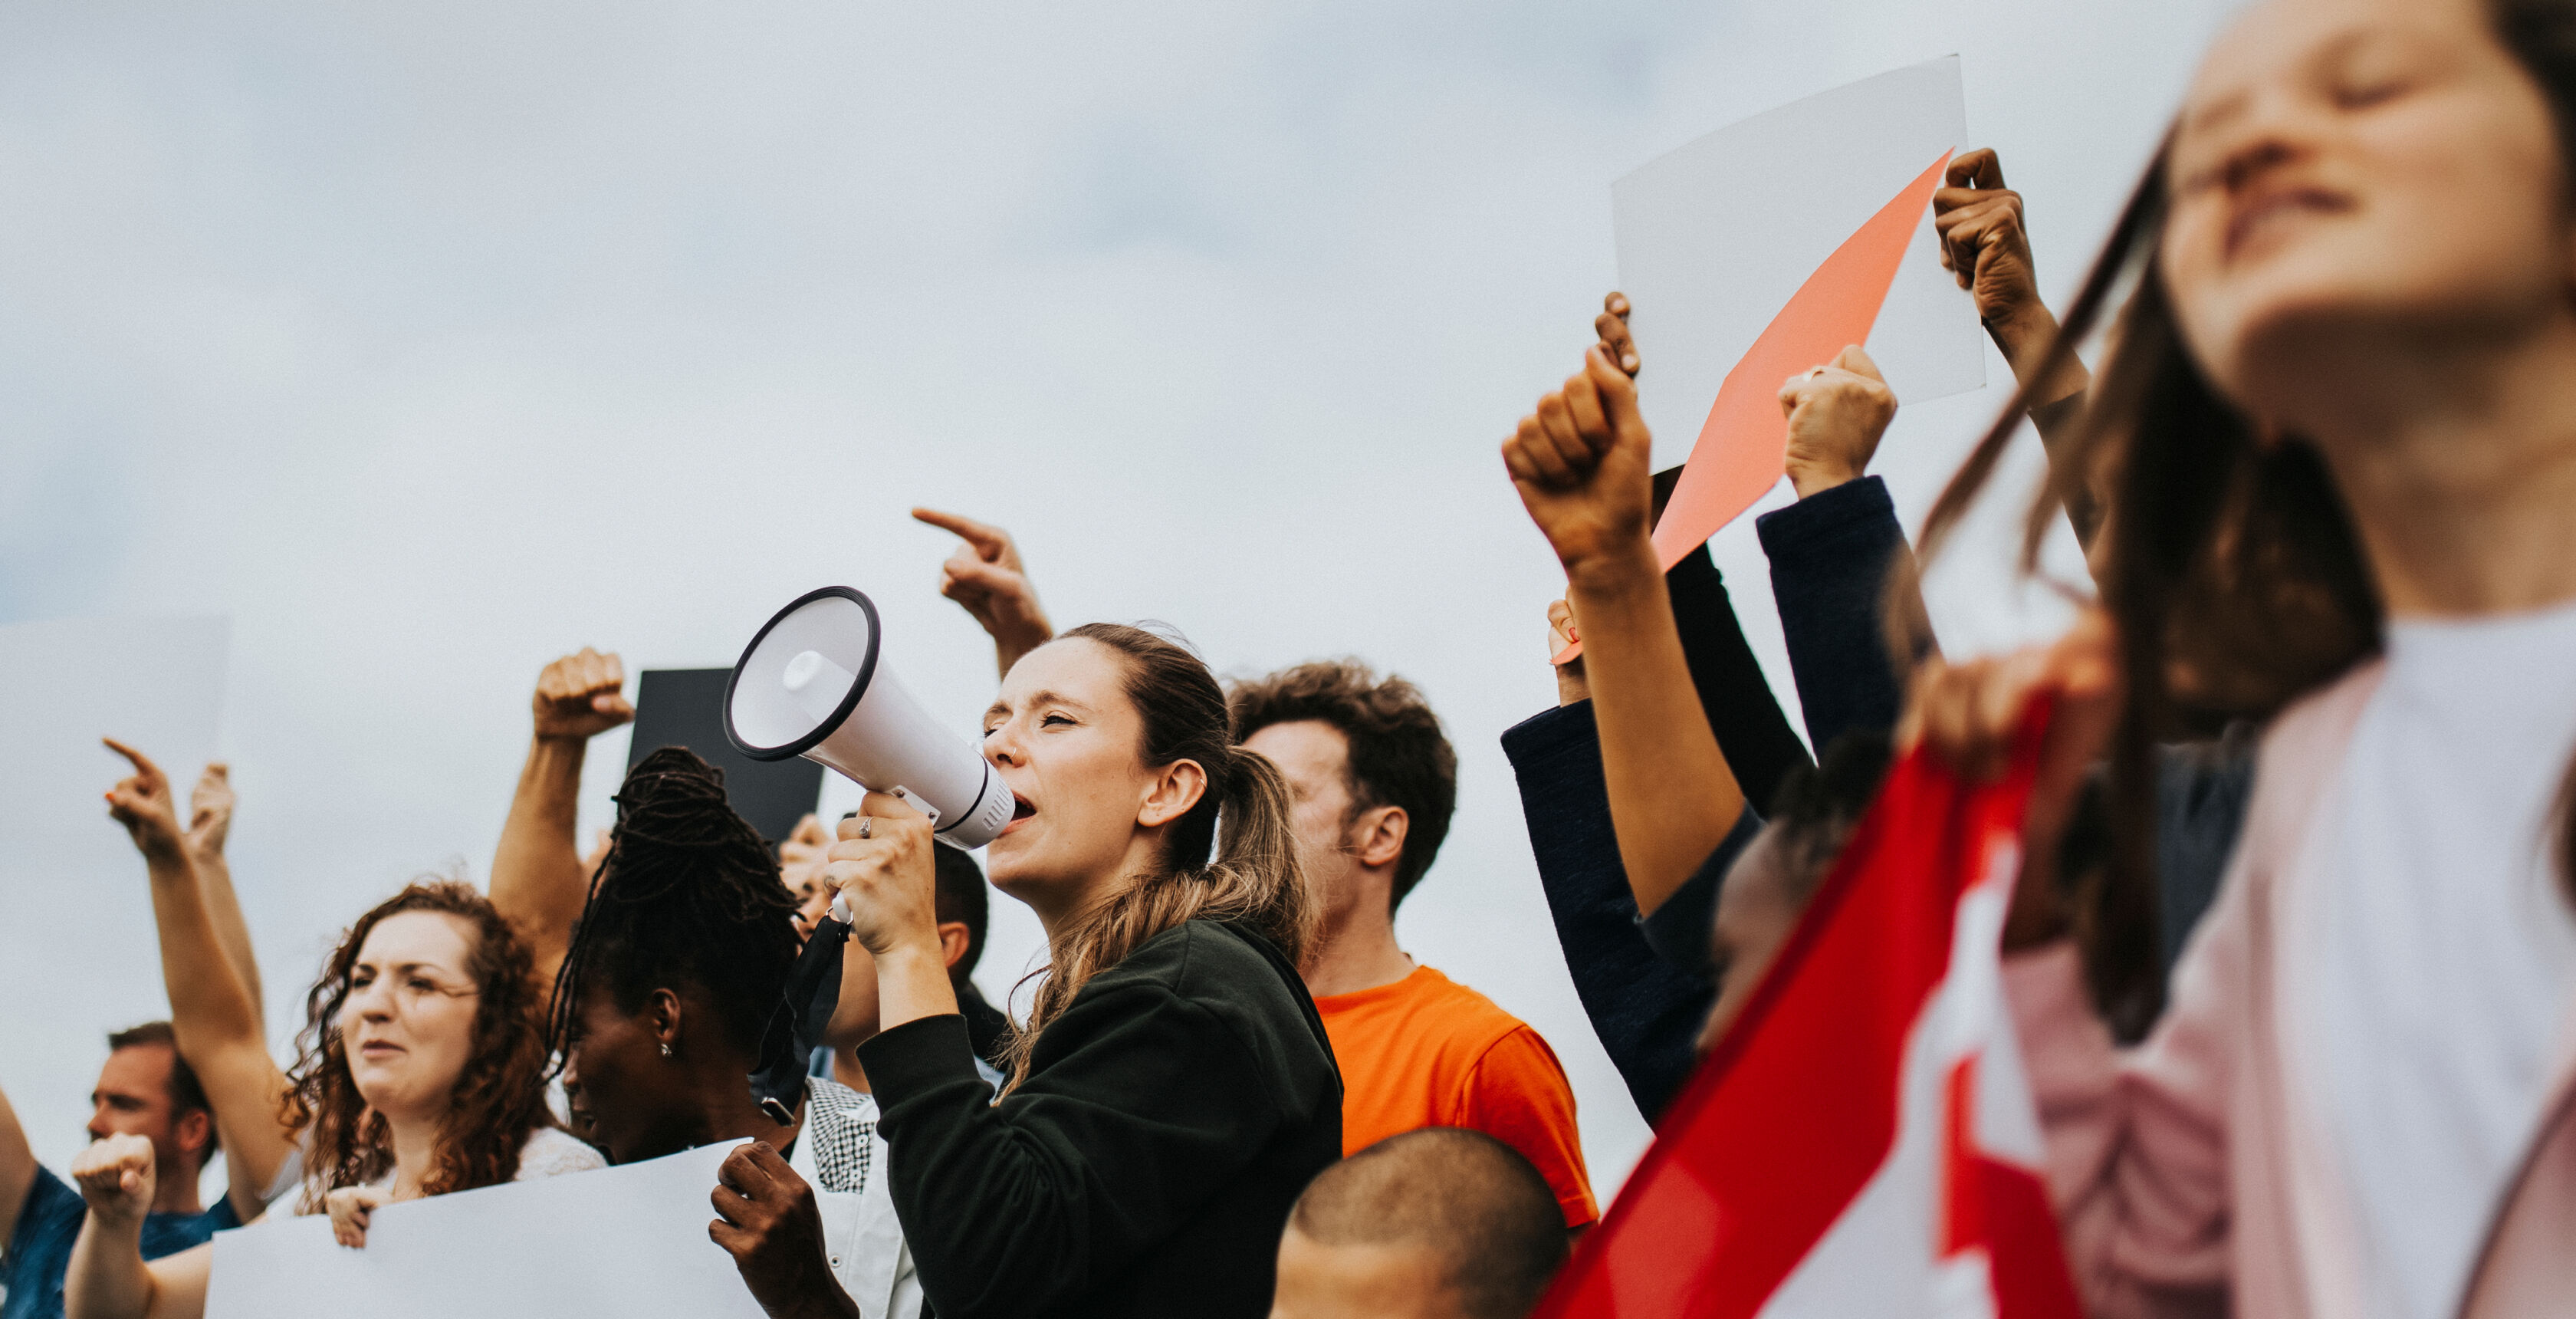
x: 1375, y: 782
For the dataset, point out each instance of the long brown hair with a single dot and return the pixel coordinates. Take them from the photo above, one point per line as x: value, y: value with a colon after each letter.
x: 1253, y: 879
x: 2228, y: 561
x: 499, y: 1098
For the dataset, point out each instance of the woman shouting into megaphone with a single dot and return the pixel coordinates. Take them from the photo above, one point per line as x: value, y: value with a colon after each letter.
x: 1173, y: 1089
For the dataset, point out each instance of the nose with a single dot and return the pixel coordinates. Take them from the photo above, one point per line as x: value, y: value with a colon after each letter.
x: 98, y: 1128
x: 373, y: 1001
x: 1002, y: 746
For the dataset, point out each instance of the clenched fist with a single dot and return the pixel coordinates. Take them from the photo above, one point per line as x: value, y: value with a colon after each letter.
x: 210, y: 809
x: 1580, y: 463
x: 1837, y: 413
x: 116, y: 1176
x: 581, y: 696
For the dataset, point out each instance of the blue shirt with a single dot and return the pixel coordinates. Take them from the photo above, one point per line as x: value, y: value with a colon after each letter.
x: 41, y: 1248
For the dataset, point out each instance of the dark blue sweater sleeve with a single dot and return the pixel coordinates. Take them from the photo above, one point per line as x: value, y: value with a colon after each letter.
x: 1645, y: 1010
x: 1831, y: 556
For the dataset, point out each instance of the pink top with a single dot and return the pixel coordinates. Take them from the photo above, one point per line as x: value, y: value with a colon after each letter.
x: 2190, y: 1174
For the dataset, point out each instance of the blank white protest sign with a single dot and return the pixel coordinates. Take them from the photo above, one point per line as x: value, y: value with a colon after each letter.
x: 1715, y: 236
x: 77, y: 952
x: 606, y: 1244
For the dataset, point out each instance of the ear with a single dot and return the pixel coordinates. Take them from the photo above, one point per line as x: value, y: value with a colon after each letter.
x: 1376, y: 839
x: 1176, y: 788
x: 664, y: 1018
x: 954, y: 938
x: 193, y: 1129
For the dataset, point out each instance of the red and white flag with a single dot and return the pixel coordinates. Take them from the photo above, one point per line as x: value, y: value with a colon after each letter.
x: 1862, y: 1142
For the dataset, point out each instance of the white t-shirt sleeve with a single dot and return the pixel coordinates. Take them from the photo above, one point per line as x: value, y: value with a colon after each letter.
x: 552, y: 1153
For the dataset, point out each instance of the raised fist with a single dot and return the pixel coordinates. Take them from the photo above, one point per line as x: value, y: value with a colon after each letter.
x: 1580, y: 464
x: 1837, y: 412
x: 581, y: 696
x: 141, y: 802
x: 210, y: 809
x: 116, y: 1176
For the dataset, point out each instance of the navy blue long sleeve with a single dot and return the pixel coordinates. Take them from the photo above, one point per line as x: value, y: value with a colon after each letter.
x: 1831, y: 554
x: 1644, y: 1009
x: 1647, y: 1008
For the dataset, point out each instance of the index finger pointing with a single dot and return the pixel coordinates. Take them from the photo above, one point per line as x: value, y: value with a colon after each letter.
x: 986, y: 540
x: 142, y: 764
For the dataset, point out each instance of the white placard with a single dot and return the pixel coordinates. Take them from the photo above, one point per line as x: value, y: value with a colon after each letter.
x: 611, y: 1244
x: 1714, y: 238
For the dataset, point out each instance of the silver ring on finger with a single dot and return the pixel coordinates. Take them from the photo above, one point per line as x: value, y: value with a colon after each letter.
x: 866, y: 829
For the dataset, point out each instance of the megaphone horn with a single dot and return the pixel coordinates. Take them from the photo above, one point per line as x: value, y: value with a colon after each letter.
x: 813, y: 683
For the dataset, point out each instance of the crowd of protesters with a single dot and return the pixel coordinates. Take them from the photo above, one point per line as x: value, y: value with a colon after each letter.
x: 2291, y: 951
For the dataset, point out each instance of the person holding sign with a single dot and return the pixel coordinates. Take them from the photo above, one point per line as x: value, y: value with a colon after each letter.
x: 422, y: 1072
x: 1173, y: 1089
x: 678, y: 961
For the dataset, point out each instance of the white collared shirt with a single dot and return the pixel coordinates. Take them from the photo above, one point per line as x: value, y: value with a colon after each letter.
x: 840, y: 1155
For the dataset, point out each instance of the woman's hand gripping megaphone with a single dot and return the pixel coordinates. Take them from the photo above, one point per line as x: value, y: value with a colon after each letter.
x: 885, y: 873
x: 888, y: 880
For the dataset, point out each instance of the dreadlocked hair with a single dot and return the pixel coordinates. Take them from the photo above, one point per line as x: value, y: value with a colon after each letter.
x: 1254, y: 879
x: 689, y: 895
x: 498, y: 1099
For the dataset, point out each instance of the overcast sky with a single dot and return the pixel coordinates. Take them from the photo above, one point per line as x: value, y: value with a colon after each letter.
x: 428, y: 343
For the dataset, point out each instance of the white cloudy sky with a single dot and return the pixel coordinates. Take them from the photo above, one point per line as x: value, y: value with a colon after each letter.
x: 427, y: 343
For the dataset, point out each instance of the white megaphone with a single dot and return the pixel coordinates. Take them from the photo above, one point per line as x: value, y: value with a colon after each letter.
x: 814, y: 684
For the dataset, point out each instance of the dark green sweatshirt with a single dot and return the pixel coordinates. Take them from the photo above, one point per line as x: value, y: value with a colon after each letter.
x: 1171, y: 1116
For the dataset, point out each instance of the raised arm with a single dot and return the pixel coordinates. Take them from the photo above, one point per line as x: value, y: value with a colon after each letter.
x: 538, y: 879
x: 1986, y: 245
x: 210, y: 822
x: 1837, y: 552
x: 17, y: 1169
x: 985, y: 576
x: 1580, y: 464
x: 211, y: 1010
x: 107, y: 1278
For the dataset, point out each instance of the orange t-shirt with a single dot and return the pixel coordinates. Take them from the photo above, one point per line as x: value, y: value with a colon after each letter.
x: 1427, y: 1051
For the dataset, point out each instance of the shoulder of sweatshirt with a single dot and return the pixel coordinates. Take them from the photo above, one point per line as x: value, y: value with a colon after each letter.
x: 1201, y: 961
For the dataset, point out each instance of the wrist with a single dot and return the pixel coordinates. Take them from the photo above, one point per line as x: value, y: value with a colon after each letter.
x: 1816, y: 478
x: 2024, y: 334
x: 1614, y: 570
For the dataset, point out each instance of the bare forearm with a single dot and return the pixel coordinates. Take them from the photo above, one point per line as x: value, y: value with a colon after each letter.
x: 537, y: 878
x: 107, y: 1278
x: 1009, y: 647
x: 215, y: 874
x: 210, y: 1006
x: 2027, y: 339
x: 912, y: 983
x: 1672, y: 796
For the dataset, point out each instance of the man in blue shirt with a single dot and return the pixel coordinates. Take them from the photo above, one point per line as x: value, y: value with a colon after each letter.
x: 147, y: 1090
